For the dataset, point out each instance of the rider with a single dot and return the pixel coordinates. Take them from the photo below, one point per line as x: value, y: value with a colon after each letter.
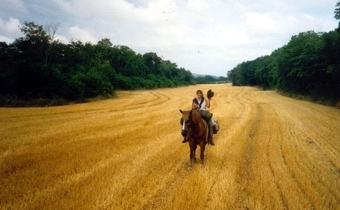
x: 201, y: 103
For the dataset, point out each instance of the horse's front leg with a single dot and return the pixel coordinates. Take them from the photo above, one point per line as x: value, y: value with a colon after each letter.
x: 192, y: 152
x: 202, y: 146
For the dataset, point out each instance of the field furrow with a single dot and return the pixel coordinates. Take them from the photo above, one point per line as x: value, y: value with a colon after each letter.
x: 272, y: 152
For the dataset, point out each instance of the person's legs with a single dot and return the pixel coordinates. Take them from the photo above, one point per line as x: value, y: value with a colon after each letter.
x: 211, y: 132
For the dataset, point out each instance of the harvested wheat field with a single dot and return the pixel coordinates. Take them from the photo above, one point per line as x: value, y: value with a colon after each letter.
x: 272, y: 152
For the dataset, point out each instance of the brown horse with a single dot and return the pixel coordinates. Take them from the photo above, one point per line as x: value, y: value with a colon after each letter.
x: 195, y: 128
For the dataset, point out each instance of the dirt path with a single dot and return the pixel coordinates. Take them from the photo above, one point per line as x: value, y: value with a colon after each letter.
x: 272, y: 152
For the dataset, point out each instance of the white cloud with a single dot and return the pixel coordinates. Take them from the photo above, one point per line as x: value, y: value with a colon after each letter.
x: 82, y: 35
x: 262, y: 24
x: 61, y: 39
x: 113, y: 11
x: 9, y: 29
x: 11, y: 26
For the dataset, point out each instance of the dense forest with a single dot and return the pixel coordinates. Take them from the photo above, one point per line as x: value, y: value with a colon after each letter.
x: 37, y: 69
x: 309, y: 65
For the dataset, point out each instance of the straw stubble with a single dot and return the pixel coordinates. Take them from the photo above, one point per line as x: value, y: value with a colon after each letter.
x: 272, y: 152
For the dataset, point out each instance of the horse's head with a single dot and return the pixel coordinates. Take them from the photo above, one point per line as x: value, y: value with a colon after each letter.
x: 185, y: 122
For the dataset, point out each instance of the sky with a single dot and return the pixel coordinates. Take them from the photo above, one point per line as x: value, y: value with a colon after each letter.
x: 203, y: 36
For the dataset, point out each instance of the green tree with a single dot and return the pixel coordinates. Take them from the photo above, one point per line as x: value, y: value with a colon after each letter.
x: 337, y: 13
x: 153, y: 62
x: 308, y: 65
x: 35, y: 43
x: 37, y: 66
x: 105, y: 43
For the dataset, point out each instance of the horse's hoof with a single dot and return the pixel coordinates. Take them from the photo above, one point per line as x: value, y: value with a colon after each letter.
x: 190, y: 168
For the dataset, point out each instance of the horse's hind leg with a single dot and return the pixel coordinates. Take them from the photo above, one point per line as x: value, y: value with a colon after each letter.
x: 195, y: 147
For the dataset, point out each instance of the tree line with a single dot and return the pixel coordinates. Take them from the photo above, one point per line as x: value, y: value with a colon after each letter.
x: 208, y: 79
x: 308, y: 65
x: 39, y: 67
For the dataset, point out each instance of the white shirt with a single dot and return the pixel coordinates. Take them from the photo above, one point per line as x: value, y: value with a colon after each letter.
x: 203, y: 105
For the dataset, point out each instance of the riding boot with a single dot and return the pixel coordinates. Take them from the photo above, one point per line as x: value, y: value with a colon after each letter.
x: 210, y: 132
x: 185, y: 139
x: 211, y: 141
x: 185, y: 135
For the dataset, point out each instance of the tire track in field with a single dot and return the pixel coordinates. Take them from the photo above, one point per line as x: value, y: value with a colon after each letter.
x: 278, y: 165
x: 222, y: 154
x: 313, y: 136
x: 169, y: 185
x: 317, y: 135
x: 244, y: 169
x: 260, y: 174
x: 291, y: 136
x: 241, y: 148
x: 293, y: 163
x: 162, y: 197
x: 268, y: 112
x: 313, y: 129
x: 293, y: 125
x: 123, y: 159
x: 151, y: 183
x: 249, y: 155
x: 247, y: 128
x: 75, y: 177
x: 157, y: 99
x: 318, y: 112
x: 303, y: 160
x: 181, y: 172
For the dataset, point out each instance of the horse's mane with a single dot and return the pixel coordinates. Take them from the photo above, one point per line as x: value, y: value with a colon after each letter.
x: 194, y: 116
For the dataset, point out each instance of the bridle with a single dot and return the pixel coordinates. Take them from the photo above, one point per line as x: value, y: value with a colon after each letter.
x: 187, y: 122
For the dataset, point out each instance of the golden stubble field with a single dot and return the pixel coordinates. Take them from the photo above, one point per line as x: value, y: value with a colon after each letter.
x: 272, y: 152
